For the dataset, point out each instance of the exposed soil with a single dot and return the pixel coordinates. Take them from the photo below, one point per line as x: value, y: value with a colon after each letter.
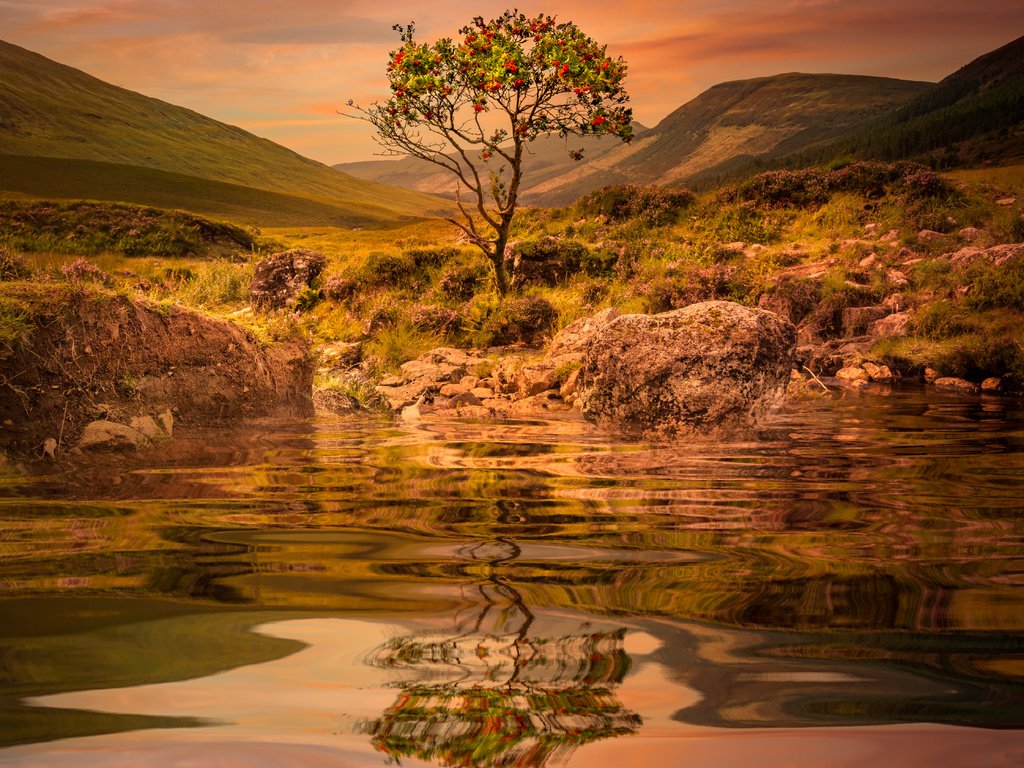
x: 89, y: 354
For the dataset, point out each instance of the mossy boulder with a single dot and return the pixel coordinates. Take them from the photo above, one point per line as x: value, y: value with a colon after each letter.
x: 709, y: 367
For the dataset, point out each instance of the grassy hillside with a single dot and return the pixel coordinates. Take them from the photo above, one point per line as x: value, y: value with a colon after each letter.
x: 975, y: 114
x: 732, y: 123
x: 547, y: 158
x: 59, y: 179
x: 50, y: 110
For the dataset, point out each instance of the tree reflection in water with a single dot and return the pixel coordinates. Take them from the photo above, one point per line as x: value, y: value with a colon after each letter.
x: 492, y: 693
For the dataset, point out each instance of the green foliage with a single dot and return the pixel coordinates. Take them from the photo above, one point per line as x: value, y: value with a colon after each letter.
x: 461, y: 281
x: 942, y: 320
x: 524, y: 321
x: 505, y: 83
x: 396, y: 344
x: 214, y: 285
x: 995, y: 287
x: 15, y: 325
x: 358, y: 389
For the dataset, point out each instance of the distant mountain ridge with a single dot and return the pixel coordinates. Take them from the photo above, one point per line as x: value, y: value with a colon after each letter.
x: 729, y: 123
x: 49, y: 110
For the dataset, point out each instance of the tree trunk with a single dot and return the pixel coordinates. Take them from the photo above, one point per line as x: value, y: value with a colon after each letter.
x: 498, y: 262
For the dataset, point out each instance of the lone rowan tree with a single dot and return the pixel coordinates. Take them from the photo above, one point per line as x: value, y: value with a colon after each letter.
x: 471, y: 104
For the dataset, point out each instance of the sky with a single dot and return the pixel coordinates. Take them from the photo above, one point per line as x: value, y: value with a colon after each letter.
x: 283, y: 70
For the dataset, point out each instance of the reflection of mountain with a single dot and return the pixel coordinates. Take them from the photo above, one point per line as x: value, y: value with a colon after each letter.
x: 497, y: 695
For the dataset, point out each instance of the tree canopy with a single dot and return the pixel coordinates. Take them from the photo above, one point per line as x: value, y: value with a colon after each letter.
x: 472, y: 104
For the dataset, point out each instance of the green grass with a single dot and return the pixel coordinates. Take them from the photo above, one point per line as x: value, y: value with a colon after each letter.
x: 68, y: 179
x: 52, y: 111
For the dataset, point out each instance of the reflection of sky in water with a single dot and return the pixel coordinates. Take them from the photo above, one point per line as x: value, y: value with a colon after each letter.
x: 302, y: 710
x: 859, y: 567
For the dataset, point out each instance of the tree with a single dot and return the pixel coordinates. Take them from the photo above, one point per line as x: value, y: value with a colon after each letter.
x: 473, y: 104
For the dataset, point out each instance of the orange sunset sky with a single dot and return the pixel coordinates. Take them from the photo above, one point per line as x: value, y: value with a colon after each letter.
x: 282, y: 69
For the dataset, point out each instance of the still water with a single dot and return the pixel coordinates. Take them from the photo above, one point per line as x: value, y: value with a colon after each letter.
x: 844, y: 590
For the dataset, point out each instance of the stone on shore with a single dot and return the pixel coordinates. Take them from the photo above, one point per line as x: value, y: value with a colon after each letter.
x: 709, y: 367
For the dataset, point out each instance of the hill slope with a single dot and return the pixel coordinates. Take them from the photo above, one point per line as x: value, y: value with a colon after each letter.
x: 975, y: 114
x: 54, y: 111
x: 731, y: 123
x: 547, y: 158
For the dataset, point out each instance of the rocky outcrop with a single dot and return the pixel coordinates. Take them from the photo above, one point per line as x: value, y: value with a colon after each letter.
x: 279, y: 279
x: 708, y: 367
x: 425, y: 375
x: 90, y: 355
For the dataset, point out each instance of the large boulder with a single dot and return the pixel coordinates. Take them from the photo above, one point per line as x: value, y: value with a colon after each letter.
x: 279, y: 279
x: 708, y: 367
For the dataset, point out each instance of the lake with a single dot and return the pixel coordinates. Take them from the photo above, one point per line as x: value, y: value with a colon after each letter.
x: 842, y: 589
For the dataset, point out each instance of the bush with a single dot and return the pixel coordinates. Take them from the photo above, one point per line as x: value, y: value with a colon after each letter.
x: 388, y: 269
x: 84, y: 271
x: 654, y: 206
x: 995, y: 287
x: 599, y: 262
x: 13, y: 266
x: 341, y: 287
x: 525, y: 321
x: 436, y: 319
x: 942, y: 320
x: 461, y: 281
x: 430, y: 258
x: 547, y: 261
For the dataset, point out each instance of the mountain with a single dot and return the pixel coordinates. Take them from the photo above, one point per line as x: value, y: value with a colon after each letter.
x: 732, y: 123
x: 547, y: 158
x: 48, y: 111
x: 973, y: 115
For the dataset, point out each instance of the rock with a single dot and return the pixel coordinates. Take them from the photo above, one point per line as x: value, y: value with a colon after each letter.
x: 705, y: 367
x: 428, y: 373
x: 997, y: 254
x: 340, y: 355
x: 871, y: 229
x: 330, y: 401
x: 929, y: 236
x: 146, y: 425
x: 547, y: 261
x: 469, y: 382
x: 877, y: 372
x: 890, y: 237
x: 852, y: 373
x: 451, y: 390
x: 896, y: 278
x: 280, y: 278
x: 575, y: 336
x: 570, y: 385
x: 1006, y: 201
x: 853, y: 243
x: 166, y: 420
x: 868, y: 261
x: 955, y: 384
x: 484, y: 393
x: 566, y: 350
x: 111, y: 436
x: 931, y: 375
x: 857, y: 320
x: 544, y: 402
x: 893, y: 325
x: 464, y: 398
x: 969, y: 234
x: 50, y: 448
x: 992, y: 384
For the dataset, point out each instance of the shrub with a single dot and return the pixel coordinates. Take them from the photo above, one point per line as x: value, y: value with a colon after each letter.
x: 388, y: 269
x: 461, y: 281
x: 13, y: 266
x: 341, y: 287
x: 397, y: 344
x: 599, y: 262
x: 436, y: 319
x: 654, y: 206
x: 525, y: 320
x: 84, y: 271
x: 430, y: 258
x: 995, y: 287
x: 942, y: 320
x: 546, y: 261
